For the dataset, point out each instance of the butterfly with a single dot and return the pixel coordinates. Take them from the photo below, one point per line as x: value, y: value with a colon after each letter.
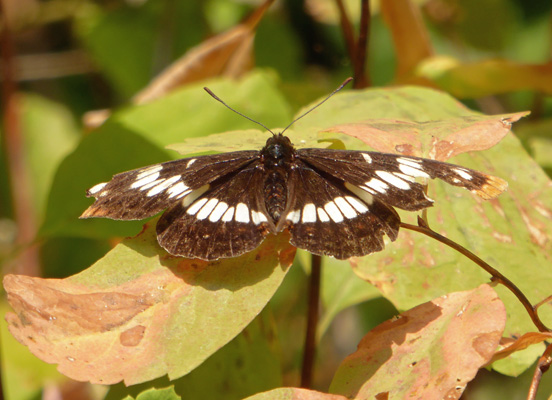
x: 338, y: 203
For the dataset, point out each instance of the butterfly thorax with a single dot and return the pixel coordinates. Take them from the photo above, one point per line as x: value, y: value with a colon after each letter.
x: 276, y: 157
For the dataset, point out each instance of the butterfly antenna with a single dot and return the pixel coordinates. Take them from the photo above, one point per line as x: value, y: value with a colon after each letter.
x: 214, y: 96
x: 319, y: 104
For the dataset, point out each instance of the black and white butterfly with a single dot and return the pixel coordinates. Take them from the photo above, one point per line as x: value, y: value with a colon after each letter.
x: 333, y: 202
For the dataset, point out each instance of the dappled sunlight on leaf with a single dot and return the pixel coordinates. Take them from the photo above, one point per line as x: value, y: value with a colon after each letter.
x: 295, y: 394
x: 448, y: 138
x: 429, y: 352
x: 139, y: 313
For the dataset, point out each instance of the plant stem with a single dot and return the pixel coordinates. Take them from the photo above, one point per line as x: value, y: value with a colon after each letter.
x: 27, y: 262
x: 361, y: 80
x: 496, y: 275
x: 309, y: 352
x: 542, y: 366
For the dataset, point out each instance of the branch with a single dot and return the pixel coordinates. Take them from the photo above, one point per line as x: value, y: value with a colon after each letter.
x: 496, y: 275
x: 312, y: 321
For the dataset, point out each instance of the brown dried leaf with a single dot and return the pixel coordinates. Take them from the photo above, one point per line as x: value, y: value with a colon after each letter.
x: 521, y: 343
x: 140, y: 313
x: 228, y: 54
x: 439, y: 140
x: 429, y: 352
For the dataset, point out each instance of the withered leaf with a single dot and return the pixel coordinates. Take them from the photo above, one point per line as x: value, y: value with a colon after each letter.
x: 439, y: 140
x: 140, y: 313
x: 429, y: 352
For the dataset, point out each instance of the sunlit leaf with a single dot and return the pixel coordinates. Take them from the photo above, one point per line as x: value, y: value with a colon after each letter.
x: 513, y: 233
x: 231, y: 373
x: 139, y: 313
x: 438, y: 140
x: 295, y: 394
x: 136, y: 137
x: 431, y: 351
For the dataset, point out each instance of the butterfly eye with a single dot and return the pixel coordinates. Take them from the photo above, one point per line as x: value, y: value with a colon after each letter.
x: 276, y: 151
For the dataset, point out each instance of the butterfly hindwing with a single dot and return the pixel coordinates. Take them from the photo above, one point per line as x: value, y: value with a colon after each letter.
x: 225, y: 220
x: 325, y: 218
x: 144, y: 192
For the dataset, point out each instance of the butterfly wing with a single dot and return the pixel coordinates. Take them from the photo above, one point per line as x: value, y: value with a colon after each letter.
x: 326, y: 218
x: 226, y: 219
x: 144, y: 192
x: 391, y: 177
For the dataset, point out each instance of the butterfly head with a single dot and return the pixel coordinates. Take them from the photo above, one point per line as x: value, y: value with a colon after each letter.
x: 278, y: 150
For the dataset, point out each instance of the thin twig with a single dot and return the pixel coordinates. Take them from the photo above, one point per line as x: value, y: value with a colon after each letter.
x: 309, y: 352
x: 542, y: 366
x: 27, y: 263
x: 496, y: 275
x: 348, y: 33
x: 361, y: 79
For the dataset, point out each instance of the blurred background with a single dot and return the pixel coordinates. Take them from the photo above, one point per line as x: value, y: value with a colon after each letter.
x: 67, y: 65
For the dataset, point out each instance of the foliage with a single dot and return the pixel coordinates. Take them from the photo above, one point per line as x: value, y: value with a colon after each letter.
x: 124, y: 312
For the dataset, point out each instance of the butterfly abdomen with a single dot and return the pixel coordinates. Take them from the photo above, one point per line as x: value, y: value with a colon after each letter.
x: 275, y: 193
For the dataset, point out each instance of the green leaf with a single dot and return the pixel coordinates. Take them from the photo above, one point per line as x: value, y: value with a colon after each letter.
x: 49, y: 134
x: 241, y: 140
x: 134, y: 137
x: 23, y: 375
x: 159, y: 394
x: 231, y: 373
x: 341, y: 288
x: 138, y: 313
x: 295, y: 394
x: 513, y: 233
x: 127, y: 44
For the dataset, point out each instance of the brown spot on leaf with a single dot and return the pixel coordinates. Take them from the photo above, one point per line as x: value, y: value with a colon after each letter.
x: 133, y: 336
x: 485, y: 344
x: 449, y: 137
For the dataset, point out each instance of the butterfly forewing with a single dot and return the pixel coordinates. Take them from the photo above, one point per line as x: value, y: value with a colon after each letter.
x: 392, y: 177
x: 144, y: 192
x: 326, y: 218
x: 225, y: 220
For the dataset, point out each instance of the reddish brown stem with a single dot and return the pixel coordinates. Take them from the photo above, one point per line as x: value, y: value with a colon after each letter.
x: 309, y: 352
x: 361, y: 80
x: 542, y: 366
x: 348, y: 32
x: 27, y: 262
